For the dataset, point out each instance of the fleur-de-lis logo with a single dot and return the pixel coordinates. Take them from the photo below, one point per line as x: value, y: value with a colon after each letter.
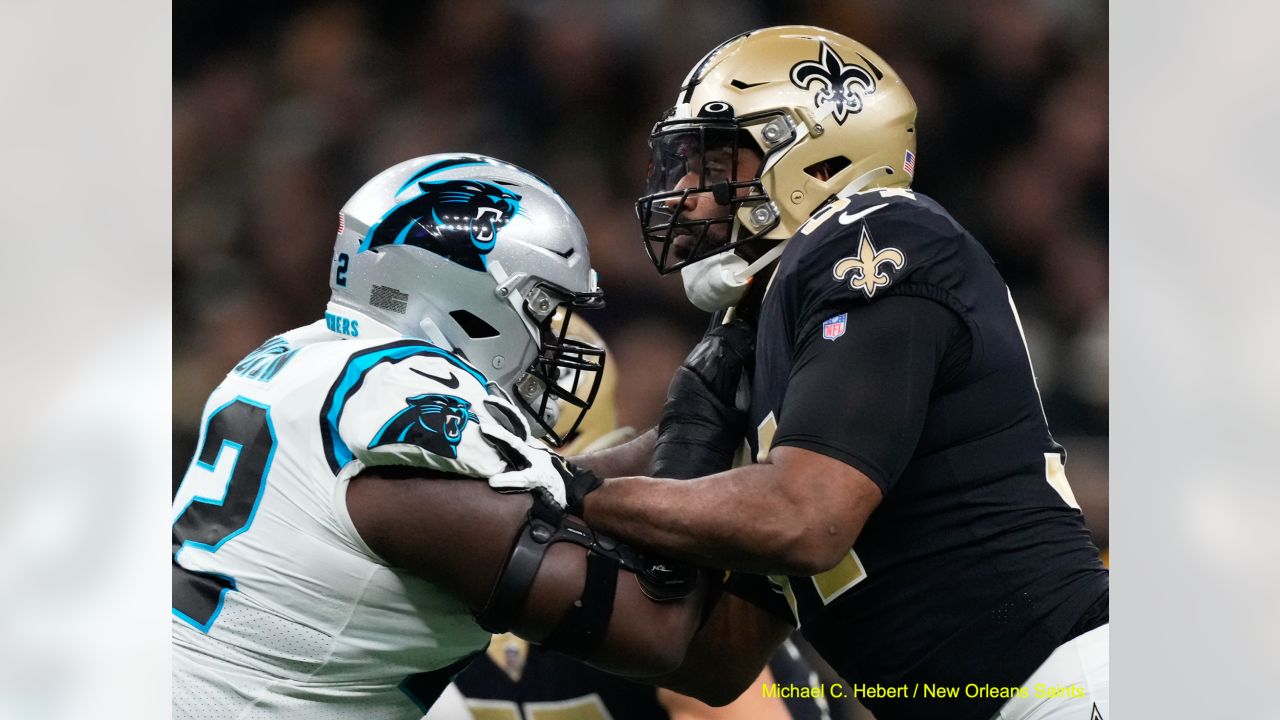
x: 838, y: 82
x: 863, y: 269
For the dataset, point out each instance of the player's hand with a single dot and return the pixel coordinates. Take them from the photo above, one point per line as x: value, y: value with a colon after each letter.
x: 534, y: 467
x: 536, y: 471
x: 578, y: 481
x: 530, y: 465
x: 704, y: 420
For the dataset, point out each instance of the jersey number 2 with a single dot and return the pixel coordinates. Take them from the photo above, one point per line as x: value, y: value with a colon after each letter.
x: 207, y: 523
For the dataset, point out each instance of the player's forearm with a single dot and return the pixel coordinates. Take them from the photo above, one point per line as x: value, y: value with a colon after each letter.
x: 728, y: 653
x: 737, y: 519
x: 629, y: 458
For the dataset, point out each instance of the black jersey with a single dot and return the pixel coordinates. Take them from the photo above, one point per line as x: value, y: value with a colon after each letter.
x: 517, y: 680
x: 888, y: 340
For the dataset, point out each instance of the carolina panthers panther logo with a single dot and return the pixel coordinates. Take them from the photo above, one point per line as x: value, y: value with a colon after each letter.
x: 432, y: 422
x: 838, y: 82
x: 458, y: 219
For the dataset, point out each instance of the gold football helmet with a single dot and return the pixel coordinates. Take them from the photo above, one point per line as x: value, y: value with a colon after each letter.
x: 820, y: 109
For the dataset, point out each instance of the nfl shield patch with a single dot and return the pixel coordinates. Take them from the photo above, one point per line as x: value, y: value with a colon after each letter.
x: 833, y: 327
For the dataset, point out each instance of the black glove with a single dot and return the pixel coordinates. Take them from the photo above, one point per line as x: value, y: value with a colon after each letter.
x: 578, y: 481
x: 704, y: 420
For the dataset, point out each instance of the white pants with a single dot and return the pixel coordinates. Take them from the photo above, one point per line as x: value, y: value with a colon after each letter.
x: 1074, y: 683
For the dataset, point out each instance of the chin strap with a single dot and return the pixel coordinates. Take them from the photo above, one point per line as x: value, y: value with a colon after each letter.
x: 762, y: 262
x: 863, y: 180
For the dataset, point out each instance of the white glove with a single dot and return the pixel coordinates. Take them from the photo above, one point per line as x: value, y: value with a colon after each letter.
x: 540, y: 471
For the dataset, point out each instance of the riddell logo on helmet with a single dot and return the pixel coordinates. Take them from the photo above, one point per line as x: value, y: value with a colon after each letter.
x: 838, y: 82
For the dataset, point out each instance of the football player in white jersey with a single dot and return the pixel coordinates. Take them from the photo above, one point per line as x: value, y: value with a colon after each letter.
x: 333, y: 552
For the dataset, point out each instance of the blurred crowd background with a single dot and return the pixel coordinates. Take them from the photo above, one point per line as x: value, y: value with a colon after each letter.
x: 281, y: 110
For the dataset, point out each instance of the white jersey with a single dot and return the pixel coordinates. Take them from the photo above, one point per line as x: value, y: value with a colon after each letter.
x: 279, y: 608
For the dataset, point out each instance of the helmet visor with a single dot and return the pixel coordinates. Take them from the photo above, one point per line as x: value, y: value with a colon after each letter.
x: 700, y: 173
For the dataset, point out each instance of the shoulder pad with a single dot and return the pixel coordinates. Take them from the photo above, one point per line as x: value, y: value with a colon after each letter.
x: 862, y: 246
x: 409, y: 403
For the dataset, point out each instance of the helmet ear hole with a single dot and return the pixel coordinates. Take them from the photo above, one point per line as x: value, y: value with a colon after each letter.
x: 826, y: 169
x: 474, y: 326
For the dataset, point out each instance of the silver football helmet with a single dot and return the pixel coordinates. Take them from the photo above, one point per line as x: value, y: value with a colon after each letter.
x: 483, y: 259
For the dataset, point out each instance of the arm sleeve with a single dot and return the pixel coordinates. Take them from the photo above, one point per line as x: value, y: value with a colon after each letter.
x: 862, y: 397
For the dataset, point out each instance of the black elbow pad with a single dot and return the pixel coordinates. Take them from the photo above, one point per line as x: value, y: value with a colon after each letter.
x: 582, y: 629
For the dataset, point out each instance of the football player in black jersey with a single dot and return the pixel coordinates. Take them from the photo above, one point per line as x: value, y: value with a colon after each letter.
x: 906, y: 498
